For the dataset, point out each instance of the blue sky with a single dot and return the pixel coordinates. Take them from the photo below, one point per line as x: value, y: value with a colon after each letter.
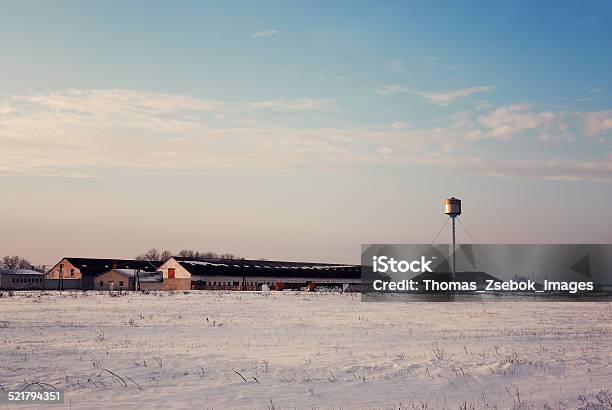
x: 233, y: 126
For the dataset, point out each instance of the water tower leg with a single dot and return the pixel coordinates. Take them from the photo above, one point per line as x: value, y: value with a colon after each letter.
x: 453, y: 250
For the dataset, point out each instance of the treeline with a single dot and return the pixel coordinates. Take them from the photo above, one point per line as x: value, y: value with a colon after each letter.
x: 15, y: 262
x: 157, y: 255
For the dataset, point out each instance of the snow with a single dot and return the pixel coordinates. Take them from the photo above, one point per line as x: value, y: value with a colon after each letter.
x: 304, y: 350
x: 203, y: 263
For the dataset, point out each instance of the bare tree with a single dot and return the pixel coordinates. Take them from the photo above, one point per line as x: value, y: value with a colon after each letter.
x: 228, y: 256
x: 15, y: 262
x: 24, y: 264
x: 154, y: 255
x: 186, y: 253
x: 207, y: 255
x: 198, y: 255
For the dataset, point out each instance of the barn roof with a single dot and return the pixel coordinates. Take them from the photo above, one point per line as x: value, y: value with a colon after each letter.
x: 150, y: 277
x: 97, y: 266
x: 248, y: 267
x: 128, y: 273
x: 19, y: 272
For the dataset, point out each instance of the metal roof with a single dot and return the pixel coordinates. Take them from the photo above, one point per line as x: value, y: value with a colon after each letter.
x: 97, y: 266
x: 250, y: 268
x: 19, y: 272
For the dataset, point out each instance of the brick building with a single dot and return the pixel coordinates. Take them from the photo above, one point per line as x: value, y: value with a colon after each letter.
x: 80, y: 273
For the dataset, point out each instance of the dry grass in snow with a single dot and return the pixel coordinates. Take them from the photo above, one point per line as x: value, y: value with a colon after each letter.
x: 285, y: 350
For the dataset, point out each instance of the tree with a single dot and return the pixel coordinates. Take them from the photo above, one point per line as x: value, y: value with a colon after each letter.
x: 154, y: 255
x: 199, y: 255
x: 15, y: 262
x: 24, y: 264
x: 186, y: 253
x: 228, y: 256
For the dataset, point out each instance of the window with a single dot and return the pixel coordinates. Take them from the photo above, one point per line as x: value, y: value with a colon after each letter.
x: 72, y: 273
x: 121, y: 283
x: 13, y: 280
x: 101, y: 283
x: 171, y: 272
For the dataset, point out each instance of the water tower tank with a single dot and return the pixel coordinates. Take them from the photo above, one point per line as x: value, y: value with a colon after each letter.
x: 452, y: 207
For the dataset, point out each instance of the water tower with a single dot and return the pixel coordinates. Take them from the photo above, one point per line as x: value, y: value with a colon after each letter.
x: 452, y: 208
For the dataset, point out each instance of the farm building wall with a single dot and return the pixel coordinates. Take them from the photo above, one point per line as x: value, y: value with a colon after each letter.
x: 113, y: 279
x: 175, y: 277
x: 53, y: 284
x: 69, y: 271
x: 151, y: 285
x: 87, y: 282
x: 171, y: 265
x: 17, y: 282
x: 176, y: 284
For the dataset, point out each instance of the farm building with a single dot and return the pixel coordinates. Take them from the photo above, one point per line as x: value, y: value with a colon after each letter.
x: 116, y: 279
x: 184, y: 274
x: 150, y: 281
x: 80, y: 273
x: 243, y: 274
x: 128, y: 279
x: 16, y: 279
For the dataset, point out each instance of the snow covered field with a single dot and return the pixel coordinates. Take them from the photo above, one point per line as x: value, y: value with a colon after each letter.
x: 283, y: 350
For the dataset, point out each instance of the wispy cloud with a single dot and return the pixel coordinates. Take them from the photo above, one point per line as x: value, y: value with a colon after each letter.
x: 395, y: 65
x: 510, y: 120
x: 88, y: 132
x: 304, y: 104
x: 436, y: 97
x: 136, y: 129
x: 595, y: 123
x: 265, y: 33
x: 391, y: 89
x: 598, y: 170
x: 446, y: 97
x: 399, y: 125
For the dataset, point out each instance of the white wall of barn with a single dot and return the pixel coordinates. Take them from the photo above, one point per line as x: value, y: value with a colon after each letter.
x: 179, y: 271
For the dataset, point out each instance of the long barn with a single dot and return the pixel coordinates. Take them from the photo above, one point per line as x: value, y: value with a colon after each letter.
x: 245, y: 274
x: 184, y: 274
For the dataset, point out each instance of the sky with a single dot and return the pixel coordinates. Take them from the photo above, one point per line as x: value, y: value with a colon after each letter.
x: 299, y: 130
